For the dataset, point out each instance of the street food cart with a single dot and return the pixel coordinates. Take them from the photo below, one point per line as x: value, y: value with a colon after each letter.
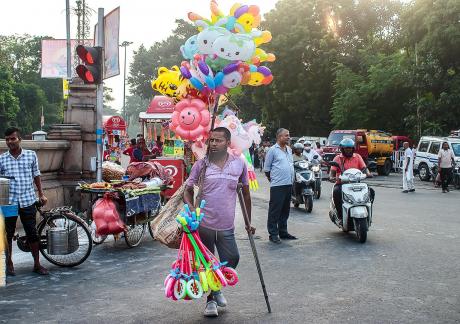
x: 155, y: 120
x: 136, y: 208
x: 115, y: 137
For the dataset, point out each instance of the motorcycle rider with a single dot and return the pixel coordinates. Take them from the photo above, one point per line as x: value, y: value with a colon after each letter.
x: 348, y: 159
x: 310, y: 152
x: 298, y: 150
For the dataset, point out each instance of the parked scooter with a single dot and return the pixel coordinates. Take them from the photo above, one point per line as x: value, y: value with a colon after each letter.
x: 304, y: 183
x: 315, y: 167
x: 356, y: 204
x: 456, y: 176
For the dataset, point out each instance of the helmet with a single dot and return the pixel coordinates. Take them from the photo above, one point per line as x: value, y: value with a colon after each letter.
x: 298, y: 146
x: 347, y: 143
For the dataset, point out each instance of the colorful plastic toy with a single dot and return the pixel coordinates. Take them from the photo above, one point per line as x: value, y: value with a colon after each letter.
x: 196, y: 270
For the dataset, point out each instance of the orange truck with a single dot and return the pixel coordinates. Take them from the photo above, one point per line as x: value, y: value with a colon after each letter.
x: 375, y: 147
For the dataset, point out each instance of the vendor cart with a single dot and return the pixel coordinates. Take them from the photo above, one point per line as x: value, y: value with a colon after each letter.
x: 135, y: 210
x: 115, y: 137
x: 176, y: 153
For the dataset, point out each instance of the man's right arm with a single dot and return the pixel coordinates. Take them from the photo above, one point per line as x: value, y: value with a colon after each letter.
x: 268, y: 164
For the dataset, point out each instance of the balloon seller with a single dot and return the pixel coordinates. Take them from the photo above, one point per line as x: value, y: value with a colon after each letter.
x: 221, y: 176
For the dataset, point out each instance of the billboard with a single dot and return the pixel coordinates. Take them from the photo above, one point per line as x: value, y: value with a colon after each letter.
x: 54, y: 57
x: 111, y: 43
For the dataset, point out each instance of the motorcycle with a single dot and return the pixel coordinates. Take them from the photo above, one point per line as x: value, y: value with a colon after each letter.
x: 456, y: 176
x: 356, y: 204
x: 315, y: 167
x: 304, y: 184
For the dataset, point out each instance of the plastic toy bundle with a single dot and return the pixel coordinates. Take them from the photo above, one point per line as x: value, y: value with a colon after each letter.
x: 196, y: 270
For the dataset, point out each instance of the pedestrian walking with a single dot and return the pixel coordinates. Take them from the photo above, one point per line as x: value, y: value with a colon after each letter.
x: 22, y: 165
x: 261, y: 152
x: 408, y: 169
x: 219, y: 182
x: 279, y: 170
x: 446, y: 159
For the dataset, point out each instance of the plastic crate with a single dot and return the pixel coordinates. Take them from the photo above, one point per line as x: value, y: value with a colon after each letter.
x: 10, y: 210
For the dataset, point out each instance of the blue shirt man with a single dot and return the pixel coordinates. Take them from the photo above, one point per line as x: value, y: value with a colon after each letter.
x: 279, y: 170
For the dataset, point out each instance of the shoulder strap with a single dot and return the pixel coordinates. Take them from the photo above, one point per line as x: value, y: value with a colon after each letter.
x: 200, y: 183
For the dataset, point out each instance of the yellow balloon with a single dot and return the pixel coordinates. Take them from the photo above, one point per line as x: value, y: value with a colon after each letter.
x: 170, y: 83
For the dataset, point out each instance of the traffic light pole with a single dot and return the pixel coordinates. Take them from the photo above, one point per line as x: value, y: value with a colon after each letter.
x: 99, y: 98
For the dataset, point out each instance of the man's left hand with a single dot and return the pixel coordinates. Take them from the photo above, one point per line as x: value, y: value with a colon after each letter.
x: 251, y: 229
x: 43, y: 199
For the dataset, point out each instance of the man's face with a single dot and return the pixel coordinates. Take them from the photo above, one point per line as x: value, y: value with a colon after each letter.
x: 284, y: 137
x: 141, y: 142
x: 307, y: 148
x: 348, y: 151
x: 406, y: 145
x: 445, y: 146
x: 13, y: 141
x: 218, y: 143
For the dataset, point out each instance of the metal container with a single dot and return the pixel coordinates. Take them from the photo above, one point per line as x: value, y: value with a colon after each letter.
x: 4, y: 191
x: 58, y: 241
x: 73, y: 238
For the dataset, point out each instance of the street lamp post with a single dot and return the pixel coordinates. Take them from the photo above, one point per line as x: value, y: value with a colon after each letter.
x: 124, y: 44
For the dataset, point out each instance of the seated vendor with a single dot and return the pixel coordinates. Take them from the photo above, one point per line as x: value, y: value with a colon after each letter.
x: 141, y: 152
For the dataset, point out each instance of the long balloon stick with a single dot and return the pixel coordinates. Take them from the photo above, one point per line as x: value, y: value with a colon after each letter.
x: 253, y: 245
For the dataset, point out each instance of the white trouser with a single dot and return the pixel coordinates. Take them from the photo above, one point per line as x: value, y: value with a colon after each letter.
x: 408, y: 180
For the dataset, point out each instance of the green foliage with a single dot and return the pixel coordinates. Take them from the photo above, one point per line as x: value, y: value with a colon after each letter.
x: 9, y: 103
x: 23, y: 92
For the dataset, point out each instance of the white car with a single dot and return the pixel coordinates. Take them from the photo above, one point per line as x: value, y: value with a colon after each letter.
x: 427, y: 154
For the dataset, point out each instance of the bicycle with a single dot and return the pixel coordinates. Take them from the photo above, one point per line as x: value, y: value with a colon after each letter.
x: 65, y: 239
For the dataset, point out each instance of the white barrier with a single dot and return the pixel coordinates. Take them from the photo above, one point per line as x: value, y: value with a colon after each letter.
x: 398, y: 159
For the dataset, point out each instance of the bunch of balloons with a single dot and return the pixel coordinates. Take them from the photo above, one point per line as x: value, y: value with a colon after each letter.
x: 223, y: 55
x: 196, y: 270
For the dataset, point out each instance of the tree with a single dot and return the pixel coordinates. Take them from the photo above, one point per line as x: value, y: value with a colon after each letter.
x: 134, y: 106
x: 9, y: 103
x: 21, y: 56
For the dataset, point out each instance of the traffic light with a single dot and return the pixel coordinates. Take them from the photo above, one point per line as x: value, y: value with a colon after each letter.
x: 91, y: 69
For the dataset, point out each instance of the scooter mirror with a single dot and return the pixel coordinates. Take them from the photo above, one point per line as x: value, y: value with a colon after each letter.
x: 315, y: 157
x: 334, y: 164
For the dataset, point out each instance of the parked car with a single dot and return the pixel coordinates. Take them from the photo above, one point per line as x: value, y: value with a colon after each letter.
x: 427, y: 154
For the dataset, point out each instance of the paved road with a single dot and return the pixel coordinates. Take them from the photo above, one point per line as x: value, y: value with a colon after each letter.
x: 407, y: 272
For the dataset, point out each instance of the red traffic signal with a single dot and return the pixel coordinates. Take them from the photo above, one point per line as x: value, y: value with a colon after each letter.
x: 91, y: 69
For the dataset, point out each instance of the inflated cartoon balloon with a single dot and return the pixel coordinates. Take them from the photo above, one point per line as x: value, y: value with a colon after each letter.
x: 240, y: 138
x: 190, y: 119
x: 259, y: 75
x: 170, y: 83
x: 231, y: 76
x: 199, y: 74
x: 234, y: 47
x: 255, y: 131
x: 190, y: 48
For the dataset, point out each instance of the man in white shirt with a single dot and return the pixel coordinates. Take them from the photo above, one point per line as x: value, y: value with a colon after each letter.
x: 408, y: 169
x: 309, y: 152
x: 446, y: 159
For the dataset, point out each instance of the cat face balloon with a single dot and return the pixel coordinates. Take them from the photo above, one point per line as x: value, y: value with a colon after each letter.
x: 234, y: 47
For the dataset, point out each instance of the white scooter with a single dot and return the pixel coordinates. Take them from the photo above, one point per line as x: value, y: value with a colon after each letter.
x: 356, y: 204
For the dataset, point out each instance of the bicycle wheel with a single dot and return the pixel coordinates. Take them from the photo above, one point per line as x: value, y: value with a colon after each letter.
x: 150, y: 229
x: 134, y: 234
x: 85, y: 245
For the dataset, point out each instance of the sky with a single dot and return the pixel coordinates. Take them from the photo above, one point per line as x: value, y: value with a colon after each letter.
x: 141, y: 22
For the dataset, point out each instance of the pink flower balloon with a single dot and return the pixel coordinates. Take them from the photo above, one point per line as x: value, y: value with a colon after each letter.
x: 190, y: 119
